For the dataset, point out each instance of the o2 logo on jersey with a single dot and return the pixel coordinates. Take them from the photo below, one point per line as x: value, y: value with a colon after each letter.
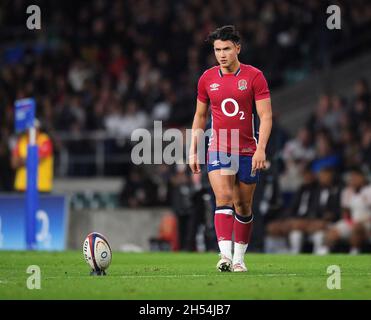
x: 235, y: 111
x: 242, y: 85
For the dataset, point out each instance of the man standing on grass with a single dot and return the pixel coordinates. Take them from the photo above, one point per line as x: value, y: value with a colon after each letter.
x: 238, y: 95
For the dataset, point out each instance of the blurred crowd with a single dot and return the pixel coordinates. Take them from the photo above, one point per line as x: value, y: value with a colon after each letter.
x: 322, y: 201
x: 119, y: 65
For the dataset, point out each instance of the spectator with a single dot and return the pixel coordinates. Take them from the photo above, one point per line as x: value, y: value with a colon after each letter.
x: 317, y: 120
x: 355, y: 224
x: 362, y: 92
x: 318, y: 208
x: 335, y: 116
x: 297, y: 153
x: 326, y: 156
x: 137, y: 191
x: 121, y: 124
x: 349, y: 144
x: 278, y: 230
x: 45, y: 158
x: 366, y: 148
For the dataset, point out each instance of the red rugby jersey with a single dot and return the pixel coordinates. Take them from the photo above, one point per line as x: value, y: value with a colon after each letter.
x: 232, y: 98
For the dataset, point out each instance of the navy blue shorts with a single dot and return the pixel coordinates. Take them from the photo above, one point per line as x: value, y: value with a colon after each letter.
x: 240, y: 165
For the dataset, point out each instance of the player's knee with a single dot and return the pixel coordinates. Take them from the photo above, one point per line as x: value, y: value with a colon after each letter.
x: 243, y: 208
x: 224, y: 198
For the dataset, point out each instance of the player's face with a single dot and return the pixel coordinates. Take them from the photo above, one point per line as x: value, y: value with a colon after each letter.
x: 226, y: 52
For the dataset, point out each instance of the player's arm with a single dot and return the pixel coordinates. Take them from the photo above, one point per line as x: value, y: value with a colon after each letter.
x: 264, y: 109
x: 198, y: 127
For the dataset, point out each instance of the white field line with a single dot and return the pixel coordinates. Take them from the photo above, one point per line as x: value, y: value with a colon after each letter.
x: 247, y: 274
x: 196, y: 276
x: 179, y: 276
x: 207, y: 275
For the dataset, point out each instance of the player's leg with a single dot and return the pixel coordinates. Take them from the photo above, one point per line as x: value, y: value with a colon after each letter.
x: 242, y: 199
x: 222, y: 185
x: 243, y: 194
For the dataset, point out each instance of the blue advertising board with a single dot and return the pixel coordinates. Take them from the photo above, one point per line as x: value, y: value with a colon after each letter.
x: 51, y: 222
x: 24, y: 114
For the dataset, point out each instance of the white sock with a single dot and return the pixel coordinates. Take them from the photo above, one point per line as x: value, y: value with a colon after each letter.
x: 225, y: 247
x: 296, y: 241
x: 239, y: 252
x: 318, y: 241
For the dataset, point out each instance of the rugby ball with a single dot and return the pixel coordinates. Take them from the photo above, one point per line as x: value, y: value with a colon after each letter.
x: 97, y: 252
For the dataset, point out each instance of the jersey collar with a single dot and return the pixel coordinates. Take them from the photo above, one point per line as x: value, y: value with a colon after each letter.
x: 235, y: 74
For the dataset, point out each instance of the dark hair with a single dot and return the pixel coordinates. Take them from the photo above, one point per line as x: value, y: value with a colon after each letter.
x: 224, y: 33
x: 356, y: 170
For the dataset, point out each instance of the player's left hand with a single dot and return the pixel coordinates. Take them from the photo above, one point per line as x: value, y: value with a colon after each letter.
x: 258, y: 160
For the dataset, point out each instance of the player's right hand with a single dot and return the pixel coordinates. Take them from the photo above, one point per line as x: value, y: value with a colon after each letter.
x: 194, y: 164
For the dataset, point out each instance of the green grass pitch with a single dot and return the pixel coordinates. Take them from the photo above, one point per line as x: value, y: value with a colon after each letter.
x: 147, y: 276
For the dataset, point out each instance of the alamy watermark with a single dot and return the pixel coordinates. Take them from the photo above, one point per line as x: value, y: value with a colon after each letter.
x: 33, y: 22
x: 334, y: 20
x: 173, y: 146
x: 334, y: 280
x: 34, y: 280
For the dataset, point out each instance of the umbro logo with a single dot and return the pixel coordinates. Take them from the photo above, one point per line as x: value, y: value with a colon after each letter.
x: 215, y: 163
x: 214, y: 86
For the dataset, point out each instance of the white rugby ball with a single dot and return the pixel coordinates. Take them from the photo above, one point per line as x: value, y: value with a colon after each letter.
x: 97, y: 251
